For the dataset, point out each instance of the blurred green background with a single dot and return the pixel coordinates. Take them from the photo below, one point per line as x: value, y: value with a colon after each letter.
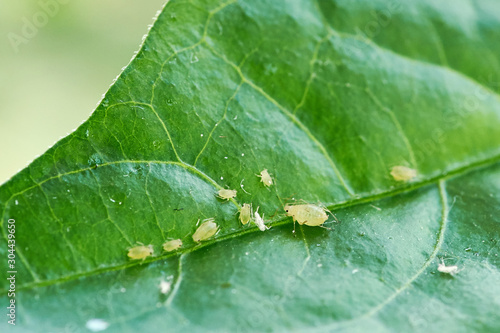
x: 55, y: 80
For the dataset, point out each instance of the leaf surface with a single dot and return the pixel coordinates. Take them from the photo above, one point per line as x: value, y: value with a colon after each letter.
x: 328, y: 96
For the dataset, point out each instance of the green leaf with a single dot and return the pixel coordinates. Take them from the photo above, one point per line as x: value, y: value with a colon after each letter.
x: 326, y: 95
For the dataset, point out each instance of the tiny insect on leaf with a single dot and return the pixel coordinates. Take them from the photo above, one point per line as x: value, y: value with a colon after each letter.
x: 403, y: 173
x: 206, y: 230
x: 265, y: 178
x: 259, y: 221
x: 447, y: 269
x: 226, y: 194
x: 245, y: 213
x: 308, y: 214
x: 140, y: 252
x: 172, y: 245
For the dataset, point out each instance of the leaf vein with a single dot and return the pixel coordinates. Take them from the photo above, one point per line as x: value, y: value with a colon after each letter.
x: 292, y: 117
x: 437, y: 247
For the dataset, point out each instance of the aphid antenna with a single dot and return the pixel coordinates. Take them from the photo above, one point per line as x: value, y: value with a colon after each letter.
x: 291, y: 197
x: 297, y: 202
x: 447, y: 258
x: 276, y: 211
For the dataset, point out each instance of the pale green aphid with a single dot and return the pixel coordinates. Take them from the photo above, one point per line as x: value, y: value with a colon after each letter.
x: 265, y: 178
x: 172, y: 245
x: 206, y: 230
x: 403, y: 173
x: 245, y: 213
x: 226, y: 194
x: 259, y: 221
x: 140, y: 252
x: 308, y: 214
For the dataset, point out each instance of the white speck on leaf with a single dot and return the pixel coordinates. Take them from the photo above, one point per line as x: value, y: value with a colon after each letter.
x: 96, y: 325
x: 165, y: 286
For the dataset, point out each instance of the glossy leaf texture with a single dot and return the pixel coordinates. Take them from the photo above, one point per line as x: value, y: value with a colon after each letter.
x: 328, y: 96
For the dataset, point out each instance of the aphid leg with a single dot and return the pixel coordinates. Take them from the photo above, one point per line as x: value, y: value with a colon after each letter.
x: 293, y: 232
x: 335, y: 217
x: 327, y: 228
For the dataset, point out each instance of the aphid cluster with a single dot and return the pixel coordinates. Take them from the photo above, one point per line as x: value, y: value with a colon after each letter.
x: 308, y: 214
x: 247, y: 214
